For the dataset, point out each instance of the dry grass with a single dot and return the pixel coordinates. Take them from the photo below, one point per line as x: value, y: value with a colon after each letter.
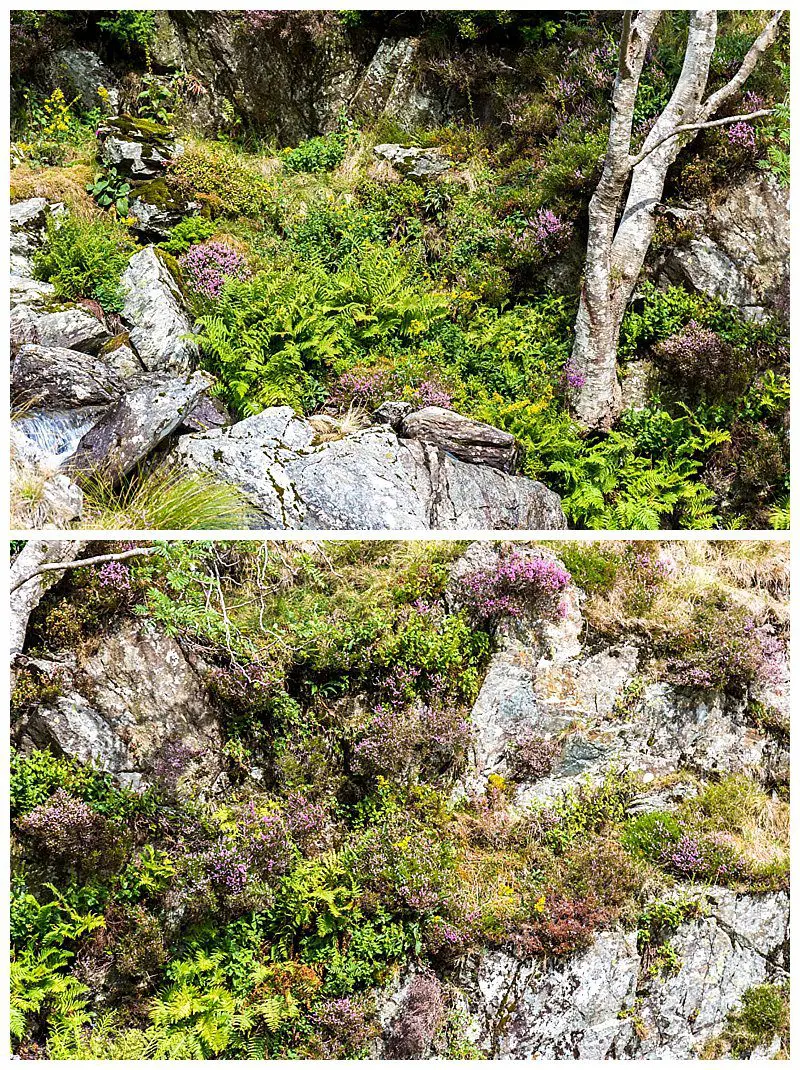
x: 332, y: 428
x: 67, y: 184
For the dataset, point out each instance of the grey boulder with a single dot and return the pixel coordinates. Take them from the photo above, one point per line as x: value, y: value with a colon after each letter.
x: 135, y: 425
x: 155, y: 309
x: 413, y: 162
x: 126, y: 706
x: 80, y: 73
x: 52, y: 376
x: 468, y: 440
x: 28, y: 222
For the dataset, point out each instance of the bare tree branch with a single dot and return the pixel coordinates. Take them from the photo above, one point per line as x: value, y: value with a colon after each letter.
x: 58, y: 566
x: 749, y: 64
x: 634, y: 161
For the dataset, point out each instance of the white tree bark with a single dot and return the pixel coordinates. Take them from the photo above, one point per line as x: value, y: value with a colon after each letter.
x: 25, y: 596
x: 615, y: 250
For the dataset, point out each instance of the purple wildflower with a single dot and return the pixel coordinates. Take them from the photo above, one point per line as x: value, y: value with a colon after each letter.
x: 210, y: 265
x: 742, y: 136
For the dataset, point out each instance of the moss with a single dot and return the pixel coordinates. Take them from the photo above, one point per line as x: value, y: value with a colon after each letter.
x: 115, y: 343
x: 762, y: 1016
x: 159, y: 193
x: 174, y: 268
x: 139, y: 129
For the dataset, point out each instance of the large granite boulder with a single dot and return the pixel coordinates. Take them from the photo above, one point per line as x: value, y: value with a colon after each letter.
x: 134, y: 426
x: 368, y: 480
x: 741, y: 251
x: 125, y: 706
x: 156, y: 311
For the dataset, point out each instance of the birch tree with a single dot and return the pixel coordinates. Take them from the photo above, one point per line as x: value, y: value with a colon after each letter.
x: 619, y: 236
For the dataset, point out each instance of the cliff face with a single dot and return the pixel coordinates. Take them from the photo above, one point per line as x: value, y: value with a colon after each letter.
x: 490, y: 801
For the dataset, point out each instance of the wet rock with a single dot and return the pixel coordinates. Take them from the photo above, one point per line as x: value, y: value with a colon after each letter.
x: 367, y: 480
x: 134, y: 426
x: 41, y: 496
x: 137, y: 148
x: 125, y: 705
x: 469, y: 440
x: 413, y: 162
x: 80, y: 73
x: 63, y: 378
x: 155, y: 308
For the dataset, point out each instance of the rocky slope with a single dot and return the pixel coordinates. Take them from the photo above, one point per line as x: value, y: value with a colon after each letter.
x: 598, y: 723
x: 414, y: 257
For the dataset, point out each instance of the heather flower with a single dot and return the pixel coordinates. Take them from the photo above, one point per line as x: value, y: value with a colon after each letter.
x: 209, y: 265
x: 546, y: 235
x: 170, y: 763
x: 519, y: 583
x: 347, y: 1026
x: 574, y: 377
x: 115, y: 575
x: 68, y: 829
x: 227, y: 868
x: 742, y: 136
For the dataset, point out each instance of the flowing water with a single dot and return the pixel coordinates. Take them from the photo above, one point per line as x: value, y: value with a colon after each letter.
x: 57, y: 432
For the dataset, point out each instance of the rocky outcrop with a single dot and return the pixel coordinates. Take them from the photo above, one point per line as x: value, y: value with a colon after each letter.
x: 28, y: 222
x: 741, y: 254
x: 131, y: 429
x: 155, y: 308
x: 605, y: 708
x: 130, y: 707
x: 137, y: 148
x: 81, y: 74
x: 370, y: 479
x: 602, y: 1004
x: 39, y: 317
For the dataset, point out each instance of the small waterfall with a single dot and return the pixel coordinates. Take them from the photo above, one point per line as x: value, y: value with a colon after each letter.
x: 57, y: 432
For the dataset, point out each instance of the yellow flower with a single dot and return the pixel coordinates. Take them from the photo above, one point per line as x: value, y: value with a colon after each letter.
x: 538, y: 906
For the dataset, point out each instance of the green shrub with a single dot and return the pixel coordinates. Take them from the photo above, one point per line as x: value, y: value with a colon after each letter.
x: 190, y: 231
x: 316, y: 154
x: 649, y: 835
x: 86, y: 259
x: 134, y: 30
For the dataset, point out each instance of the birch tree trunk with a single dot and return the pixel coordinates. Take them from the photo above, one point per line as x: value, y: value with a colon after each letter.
x: 25, y: 596
x: 616, y: 251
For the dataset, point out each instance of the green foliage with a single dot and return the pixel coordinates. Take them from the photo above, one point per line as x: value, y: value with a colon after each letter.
x: 190, y: 231
x: 86, y: 259
x: 111, y: 190
x: 133, y: 30
x: 316, y: 154
x: 271, y: 339
x: 763, y: 1015
x: 592, y: 567
x: 648, y: 835
x: 164, y: 499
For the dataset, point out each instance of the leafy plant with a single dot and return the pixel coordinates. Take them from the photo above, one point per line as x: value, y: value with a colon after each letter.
x: 111, y: 189
x: 86, y: 258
